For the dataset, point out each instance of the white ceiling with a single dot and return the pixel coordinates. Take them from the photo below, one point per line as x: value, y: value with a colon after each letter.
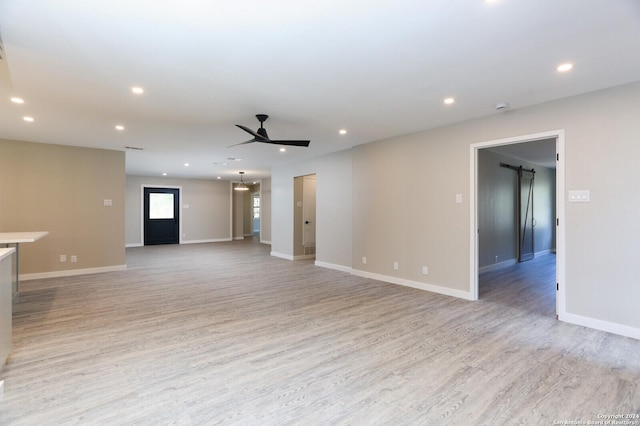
x: 378, y: 68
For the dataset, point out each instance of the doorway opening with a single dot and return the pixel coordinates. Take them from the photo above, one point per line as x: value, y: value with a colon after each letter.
x: 304, y: 217
x: 504, y: 217
x: 161, y: 215
x: 255, y: 209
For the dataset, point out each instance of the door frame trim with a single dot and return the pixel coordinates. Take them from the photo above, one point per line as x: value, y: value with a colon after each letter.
x: 142, y: 187
x: 560, y: 210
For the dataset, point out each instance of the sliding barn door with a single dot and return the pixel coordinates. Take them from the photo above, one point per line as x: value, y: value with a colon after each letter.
x: 525, y: 215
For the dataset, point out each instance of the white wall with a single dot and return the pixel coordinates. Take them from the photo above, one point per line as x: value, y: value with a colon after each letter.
x: 207, y: 219
x: 333, y: 209
x: 404, y: 208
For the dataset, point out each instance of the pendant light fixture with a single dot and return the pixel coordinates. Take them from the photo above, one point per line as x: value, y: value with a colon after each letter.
x: 241, y: 186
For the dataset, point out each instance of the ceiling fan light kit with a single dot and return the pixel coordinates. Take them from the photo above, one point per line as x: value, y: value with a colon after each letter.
x: 261, y: 135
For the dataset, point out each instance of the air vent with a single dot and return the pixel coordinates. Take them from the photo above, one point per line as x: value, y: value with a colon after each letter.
x: 134, y: 148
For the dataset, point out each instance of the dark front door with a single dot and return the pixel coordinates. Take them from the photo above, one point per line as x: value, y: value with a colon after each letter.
x: 161, y: 216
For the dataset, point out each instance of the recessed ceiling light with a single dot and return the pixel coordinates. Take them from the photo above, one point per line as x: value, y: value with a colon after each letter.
x: 218, y: 177
x: 343, y: 132
x: 186, y: 164
x: 119, y: 127
x: 164, y: 174
x: 137, y: 90
x: 449, y: 101
x: 283, y: 149
x: 565, y: 67
x: 17, y: 100
x: 28, y: 119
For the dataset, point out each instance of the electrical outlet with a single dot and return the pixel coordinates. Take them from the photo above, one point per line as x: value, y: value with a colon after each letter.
x: 63, y: 258
x: 396, y: 266
x: 364, y: 260
x: 74, y: 258
x: 425, y: 270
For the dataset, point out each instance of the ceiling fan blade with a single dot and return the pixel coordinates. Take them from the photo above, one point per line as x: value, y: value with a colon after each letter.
x: 258, y: 137
x: 262, y: 136
x: 288, y: 142
x: 245, y: 142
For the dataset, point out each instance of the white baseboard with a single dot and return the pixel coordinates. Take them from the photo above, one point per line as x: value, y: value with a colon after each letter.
x: 623, y: 330
x: 216, y: 240
x: 496, y: 266
x: 289, y: 257
x: 304, y: 257
x: 415, y: 284
x: 510, y: 262
x: 265, y: 242
x: 333, y: 266
x: 238, y: 238
x: 72, y: 272
x: 281, y: 255
x: 393, y: 280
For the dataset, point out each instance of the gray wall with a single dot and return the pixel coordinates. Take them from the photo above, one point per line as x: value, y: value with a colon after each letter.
x: 207, y: 219
x: 497, y: 205
x: 420, y: 224
x: 61, y: 189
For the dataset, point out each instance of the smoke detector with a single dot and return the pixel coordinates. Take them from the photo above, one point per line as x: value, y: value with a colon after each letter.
x: 502, y: 105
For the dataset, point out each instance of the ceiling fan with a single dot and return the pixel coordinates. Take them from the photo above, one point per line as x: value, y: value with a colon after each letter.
x: 261, y: 135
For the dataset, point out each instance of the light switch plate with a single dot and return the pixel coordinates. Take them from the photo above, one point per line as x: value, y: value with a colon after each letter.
x: 458, y: 198
x: 579, y: 196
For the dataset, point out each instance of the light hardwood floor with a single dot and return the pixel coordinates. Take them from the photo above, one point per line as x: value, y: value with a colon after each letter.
x: 225, y: 334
